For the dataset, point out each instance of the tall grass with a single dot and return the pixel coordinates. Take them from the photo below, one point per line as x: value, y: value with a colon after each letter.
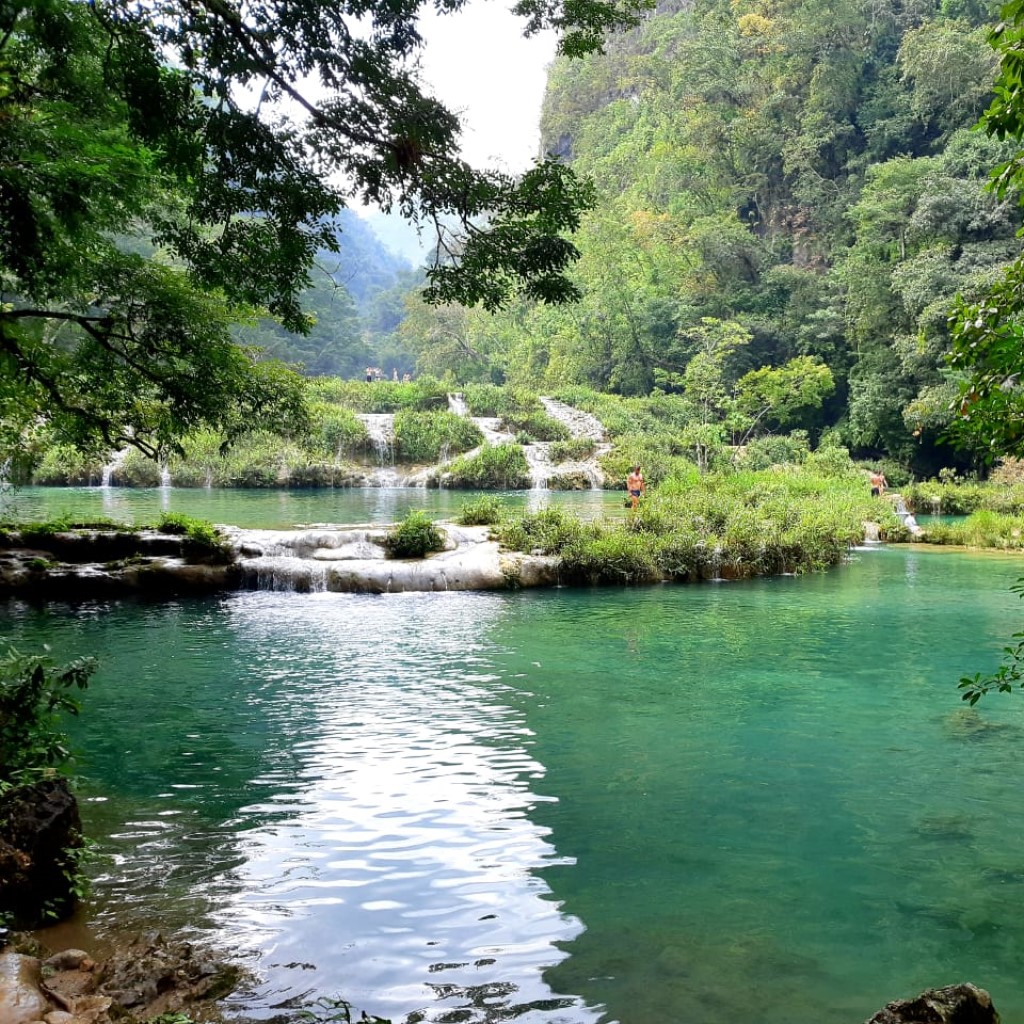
x: 981, y: 529
x: 963, y: 498
x: 381, y: 396
x: 693, y: 528
x: 426, y: 437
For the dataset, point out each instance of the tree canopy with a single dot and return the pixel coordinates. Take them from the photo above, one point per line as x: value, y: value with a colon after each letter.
x: 808, y: 172
x: 167, y: 167
x: 988, y: 331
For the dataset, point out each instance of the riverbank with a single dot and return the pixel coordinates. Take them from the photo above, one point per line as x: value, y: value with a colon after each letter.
x: 140, y: 978
x: 703, y: 534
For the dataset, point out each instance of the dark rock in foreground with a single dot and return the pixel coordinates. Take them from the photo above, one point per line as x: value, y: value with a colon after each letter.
x: 956, y: 1004
x: 39, y: 831
x: 83, y: 565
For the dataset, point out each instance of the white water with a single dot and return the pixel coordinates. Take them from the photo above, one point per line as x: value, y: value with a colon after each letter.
x: 113, y: 466
x: 538, y: 458
x: 381, y: 428
x: 899, y: 506
x: 580, y: 423
x: 457, y: 404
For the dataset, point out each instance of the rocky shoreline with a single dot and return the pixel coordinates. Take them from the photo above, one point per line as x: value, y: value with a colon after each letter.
x: 151, y: 976
x: 147, y: 977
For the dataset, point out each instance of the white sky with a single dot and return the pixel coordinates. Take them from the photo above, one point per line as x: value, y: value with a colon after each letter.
x: 481, y: 67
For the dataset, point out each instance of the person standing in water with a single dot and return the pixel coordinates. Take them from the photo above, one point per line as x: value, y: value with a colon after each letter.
x: 635, y: 486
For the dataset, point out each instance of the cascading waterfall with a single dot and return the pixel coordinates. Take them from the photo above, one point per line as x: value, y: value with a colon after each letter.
x: 457, y: 404
x: 899, y: 506
x: 381, y: 429
x: 580, y: 423
x: 538, y: 458
x: 113, y: 466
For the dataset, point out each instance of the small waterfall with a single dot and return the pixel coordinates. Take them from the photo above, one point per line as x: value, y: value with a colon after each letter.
x: 899, y: 506
x: 113, y: 466
x: 580, y: 423
x: 457, y: 404
x: 538, y: 458
x: 490, y: 427
x: 165, y: 476
x: 381, y: 429
x: 286, y: 574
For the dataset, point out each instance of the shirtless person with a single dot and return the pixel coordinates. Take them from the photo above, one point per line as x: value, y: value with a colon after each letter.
x: 635, y: 486
x: 878, y: 483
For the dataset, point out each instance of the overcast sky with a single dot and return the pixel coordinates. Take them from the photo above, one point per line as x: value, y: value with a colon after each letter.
x: 479, y: 64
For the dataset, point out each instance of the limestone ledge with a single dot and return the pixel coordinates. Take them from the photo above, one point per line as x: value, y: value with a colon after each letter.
x: 84, y: 565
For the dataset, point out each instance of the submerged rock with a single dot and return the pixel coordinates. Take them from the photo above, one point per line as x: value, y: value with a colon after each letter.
x: 955, y: 1004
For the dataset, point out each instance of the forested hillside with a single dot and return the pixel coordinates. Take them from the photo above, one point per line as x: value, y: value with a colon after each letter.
x: 792, y: 185
x: 356, y: 301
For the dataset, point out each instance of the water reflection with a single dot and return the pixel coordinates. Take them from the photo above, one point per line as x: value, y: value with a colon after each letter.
x: 760, y: 800
x: 280, y: 509
x: 337, y: 784
x: 769, y: 804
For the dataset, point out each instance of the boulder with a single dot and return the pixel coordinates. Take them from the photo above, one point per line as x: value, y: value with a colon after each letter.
x: 39, y: 825
x: 955, y: 1004
x: 21, y: 1001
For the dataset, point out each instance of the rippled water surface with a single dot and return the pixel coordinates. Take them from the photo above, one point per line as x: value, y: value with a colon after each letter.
x: 738, y: 802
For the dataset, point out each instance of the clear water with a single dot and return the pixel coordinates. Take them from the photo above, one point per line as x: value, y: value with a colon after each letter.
x: 759, y: 801
x: 273, y: 509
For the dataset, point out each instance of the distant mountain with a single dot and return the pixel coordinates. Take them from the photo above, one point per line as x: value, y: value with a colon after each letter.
x: 364, y: 266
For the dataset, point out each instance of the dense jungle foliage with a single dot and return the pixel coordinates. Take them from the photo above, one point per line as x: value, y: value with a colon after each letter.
x: 166, y: 174
x: 802, y: 176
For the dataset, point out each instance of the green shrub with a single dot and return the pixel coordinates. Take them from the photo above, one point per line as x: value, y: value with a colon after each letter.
x: 654, y: 460
x: 336, y: 432
x: 625, y: 416
x: 535, y: 425
x: 34, y: 694
x: 427, y: 437
x: 574, y: 480
x: 137, y: 470
x: 961, y: 499
x: 256, y: 460
x: 774, y: 450
x: 414, y: 537
x: 493, y: 467
x: 981, y: 529
x: 618, y: 558
x: 65, y: 466
x: 834, y: 462
x: 492, y: 400
x: 380, y: 396
x: 483, y: 511
x: 682, y: 555
x: 204, y: 539
x: 574, y: 450
x: 549, y: 531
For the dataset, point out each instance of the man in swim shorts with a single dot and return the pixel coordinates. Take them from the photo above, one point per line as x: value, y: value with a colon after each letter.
x: 635, y: 486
